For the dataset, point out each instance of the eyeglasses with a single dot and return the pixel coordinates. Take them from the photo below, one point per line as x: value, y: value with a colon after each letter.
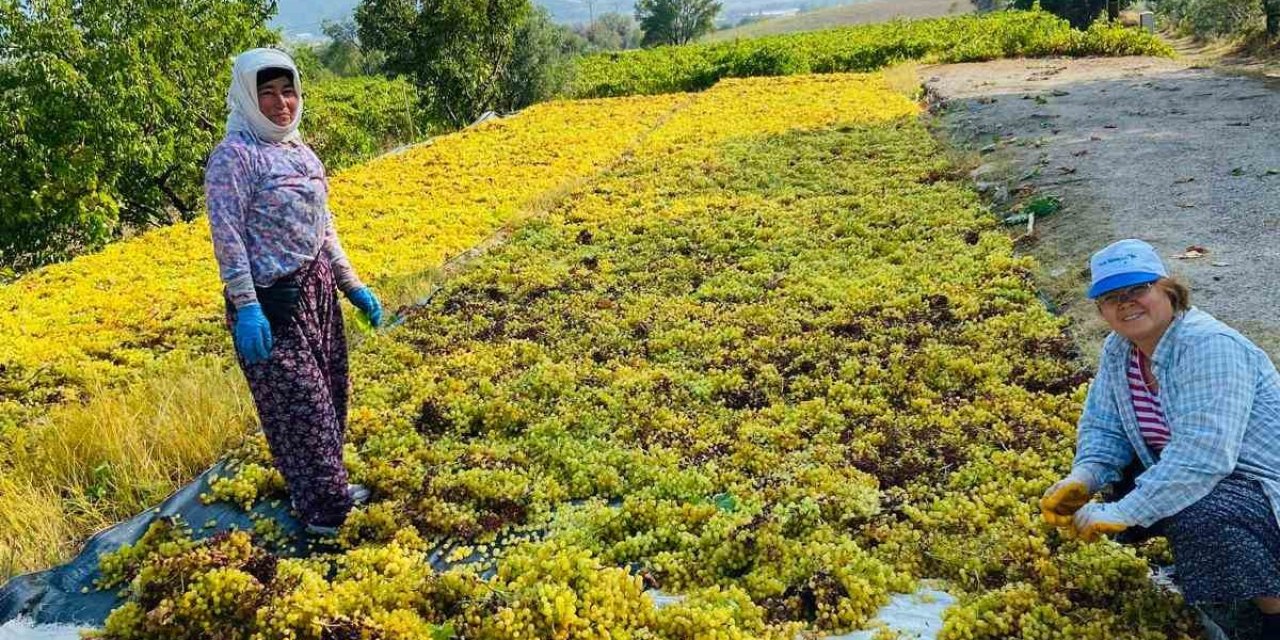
x: 1127, y: 294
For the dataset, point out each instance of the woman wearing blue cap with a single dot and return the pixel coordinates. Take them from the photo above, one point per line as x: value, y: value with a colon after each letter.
x: 1197, y: 406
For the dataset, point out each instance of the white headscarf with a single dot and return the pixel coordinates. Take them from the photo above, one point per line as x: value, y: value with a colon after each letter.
x: 242, y: 96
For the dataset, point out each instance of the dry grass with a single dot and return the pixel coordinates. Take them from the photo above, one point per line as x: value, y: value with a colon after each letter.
x: 904, y: 79
x: 34, y: 529
x: 88, y: 466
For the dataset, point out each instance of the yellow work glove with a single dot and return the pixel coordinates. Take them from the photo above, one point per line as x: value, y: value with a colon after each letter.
x: 1095, y: 520
x: 1066, y: 496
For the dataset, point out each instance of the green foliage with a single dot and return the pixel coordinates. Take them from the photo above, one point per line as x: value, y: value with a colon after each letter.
x: 675, y: 21
x: 541, y: 64
x: 344, y: 54
x: 1213, y: 18
x: 309, y: 64
x: 1080, y: 13
x: 864, y: 48
x: 457, y: 52
x: 611, y: 32
x: 113, y: 116
x: 109, y: 114
x: 349, y: 120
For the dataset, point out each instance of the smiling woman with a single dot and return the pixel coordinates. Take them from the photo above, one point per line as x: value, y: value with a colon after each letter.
x: 277, y: 97
x: 282, y: 265
x: 1192, y: 409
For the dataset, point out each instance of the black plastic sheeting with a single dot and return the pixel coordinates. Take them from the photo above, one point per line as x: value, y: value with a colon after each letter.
x: 66, y: 594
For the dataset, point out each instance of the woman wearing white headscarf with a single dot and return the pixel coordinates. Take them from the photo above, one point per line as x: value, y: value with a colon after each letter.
x: 281, y: 263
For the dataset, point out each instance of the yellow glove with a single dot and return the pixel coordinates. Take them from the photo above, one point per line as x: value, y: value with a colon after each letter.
x: 1065, y: 497
x: 1095, y: 520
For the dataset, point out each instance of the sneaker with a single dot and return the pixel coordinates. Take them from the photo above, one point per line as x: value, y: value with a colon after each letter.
x: 321, y: 531
x: 359, y: 494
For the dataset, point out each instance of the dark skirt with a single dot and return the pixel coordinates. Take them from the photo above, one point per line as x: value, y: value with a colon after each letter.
x: 1226, y: 547
x: 301, y: 394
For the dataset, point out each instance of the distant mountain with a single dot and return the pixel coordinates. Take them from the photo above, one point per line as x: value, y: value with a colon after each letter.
x: 300, y: 17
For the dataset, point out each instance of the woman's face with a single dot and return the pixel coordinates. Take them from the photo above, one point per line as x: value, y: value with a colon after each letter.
x: 278, y: 100
x: 1140, y: 313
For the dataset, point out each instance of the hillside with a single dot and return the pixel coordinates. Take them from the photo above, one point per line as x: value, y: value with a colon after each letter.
x: 299, y: 17
x: 864, y: 12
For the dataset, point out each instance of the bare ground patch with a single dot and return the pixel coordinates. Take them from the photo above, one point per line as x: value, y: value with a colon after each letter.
x: 1134, y: 147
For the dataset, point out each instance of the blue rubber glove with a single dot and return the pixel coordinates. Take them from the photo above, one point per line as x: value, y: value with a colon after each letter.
x: 252, y: 334
x: 367, y: 303
x: 1094, y: 520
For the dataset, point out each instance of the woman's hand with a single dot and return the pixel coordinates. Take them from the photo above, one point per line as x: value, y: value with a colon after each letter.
x: 367, y: 303
x: 1095, y: 520
x: 252, y: 334
x: 1066, y: 496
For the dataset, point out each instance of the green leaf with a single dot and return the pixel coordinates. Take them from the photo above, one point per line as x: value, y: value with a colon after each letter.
x: 726, y: 502
x: 1043, y: 206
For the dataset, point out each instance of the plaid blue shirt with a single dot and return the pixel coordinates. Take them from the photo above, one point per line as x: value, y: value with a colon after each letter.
x: 1221, y: 399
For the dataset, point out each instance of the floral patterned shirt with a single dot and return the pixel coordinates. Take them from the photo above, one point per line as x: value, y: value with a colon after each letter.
x: 269, y: 215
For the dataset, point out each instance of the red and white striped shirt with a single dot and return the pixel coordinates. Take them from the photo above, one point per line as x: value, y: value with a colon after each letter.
x: 1151, y: 423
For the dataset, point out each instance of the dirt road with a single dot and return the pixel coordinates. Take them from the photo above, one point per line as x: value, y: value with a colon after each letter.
x: 1133, y: 147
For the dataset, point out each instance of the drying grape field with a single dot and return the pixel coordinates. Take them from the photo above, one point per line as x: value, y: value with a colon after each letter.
x: 763, y: 346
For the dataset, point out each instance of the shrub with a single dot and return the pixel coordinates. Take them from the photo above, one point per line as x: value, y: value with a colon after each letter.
x: 108, y: 116
x: 865, y: 48
x: 349, y: 120
x: 1213, y: 18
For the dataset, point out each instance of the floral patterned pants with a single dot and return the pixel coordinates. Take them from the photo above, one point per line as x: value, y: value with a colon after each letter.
x: 301, y: 394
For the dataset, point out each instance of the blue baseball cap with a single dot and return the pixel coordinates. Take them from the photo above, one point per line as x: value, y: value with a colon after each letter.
x: 1124, y: 264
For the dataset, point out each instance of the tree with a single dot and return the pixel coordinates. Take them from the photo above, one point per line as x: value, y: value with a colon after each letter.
x: 1080, y: 13
x: 611, y: 32
x: 624, y: 27
x: 1216, y: 18
x: 1272, y: 10
x: 540, y: 64
x: 458, y: 52
x: 675, y: 21
x: 344, y: 55
x: 984, y: 6
x: 110, y: 109
x: 307, y: 58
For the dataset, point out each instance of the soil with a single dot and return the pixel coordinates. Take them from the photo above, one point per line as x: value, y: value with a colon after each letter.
x: 1170, y: 151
